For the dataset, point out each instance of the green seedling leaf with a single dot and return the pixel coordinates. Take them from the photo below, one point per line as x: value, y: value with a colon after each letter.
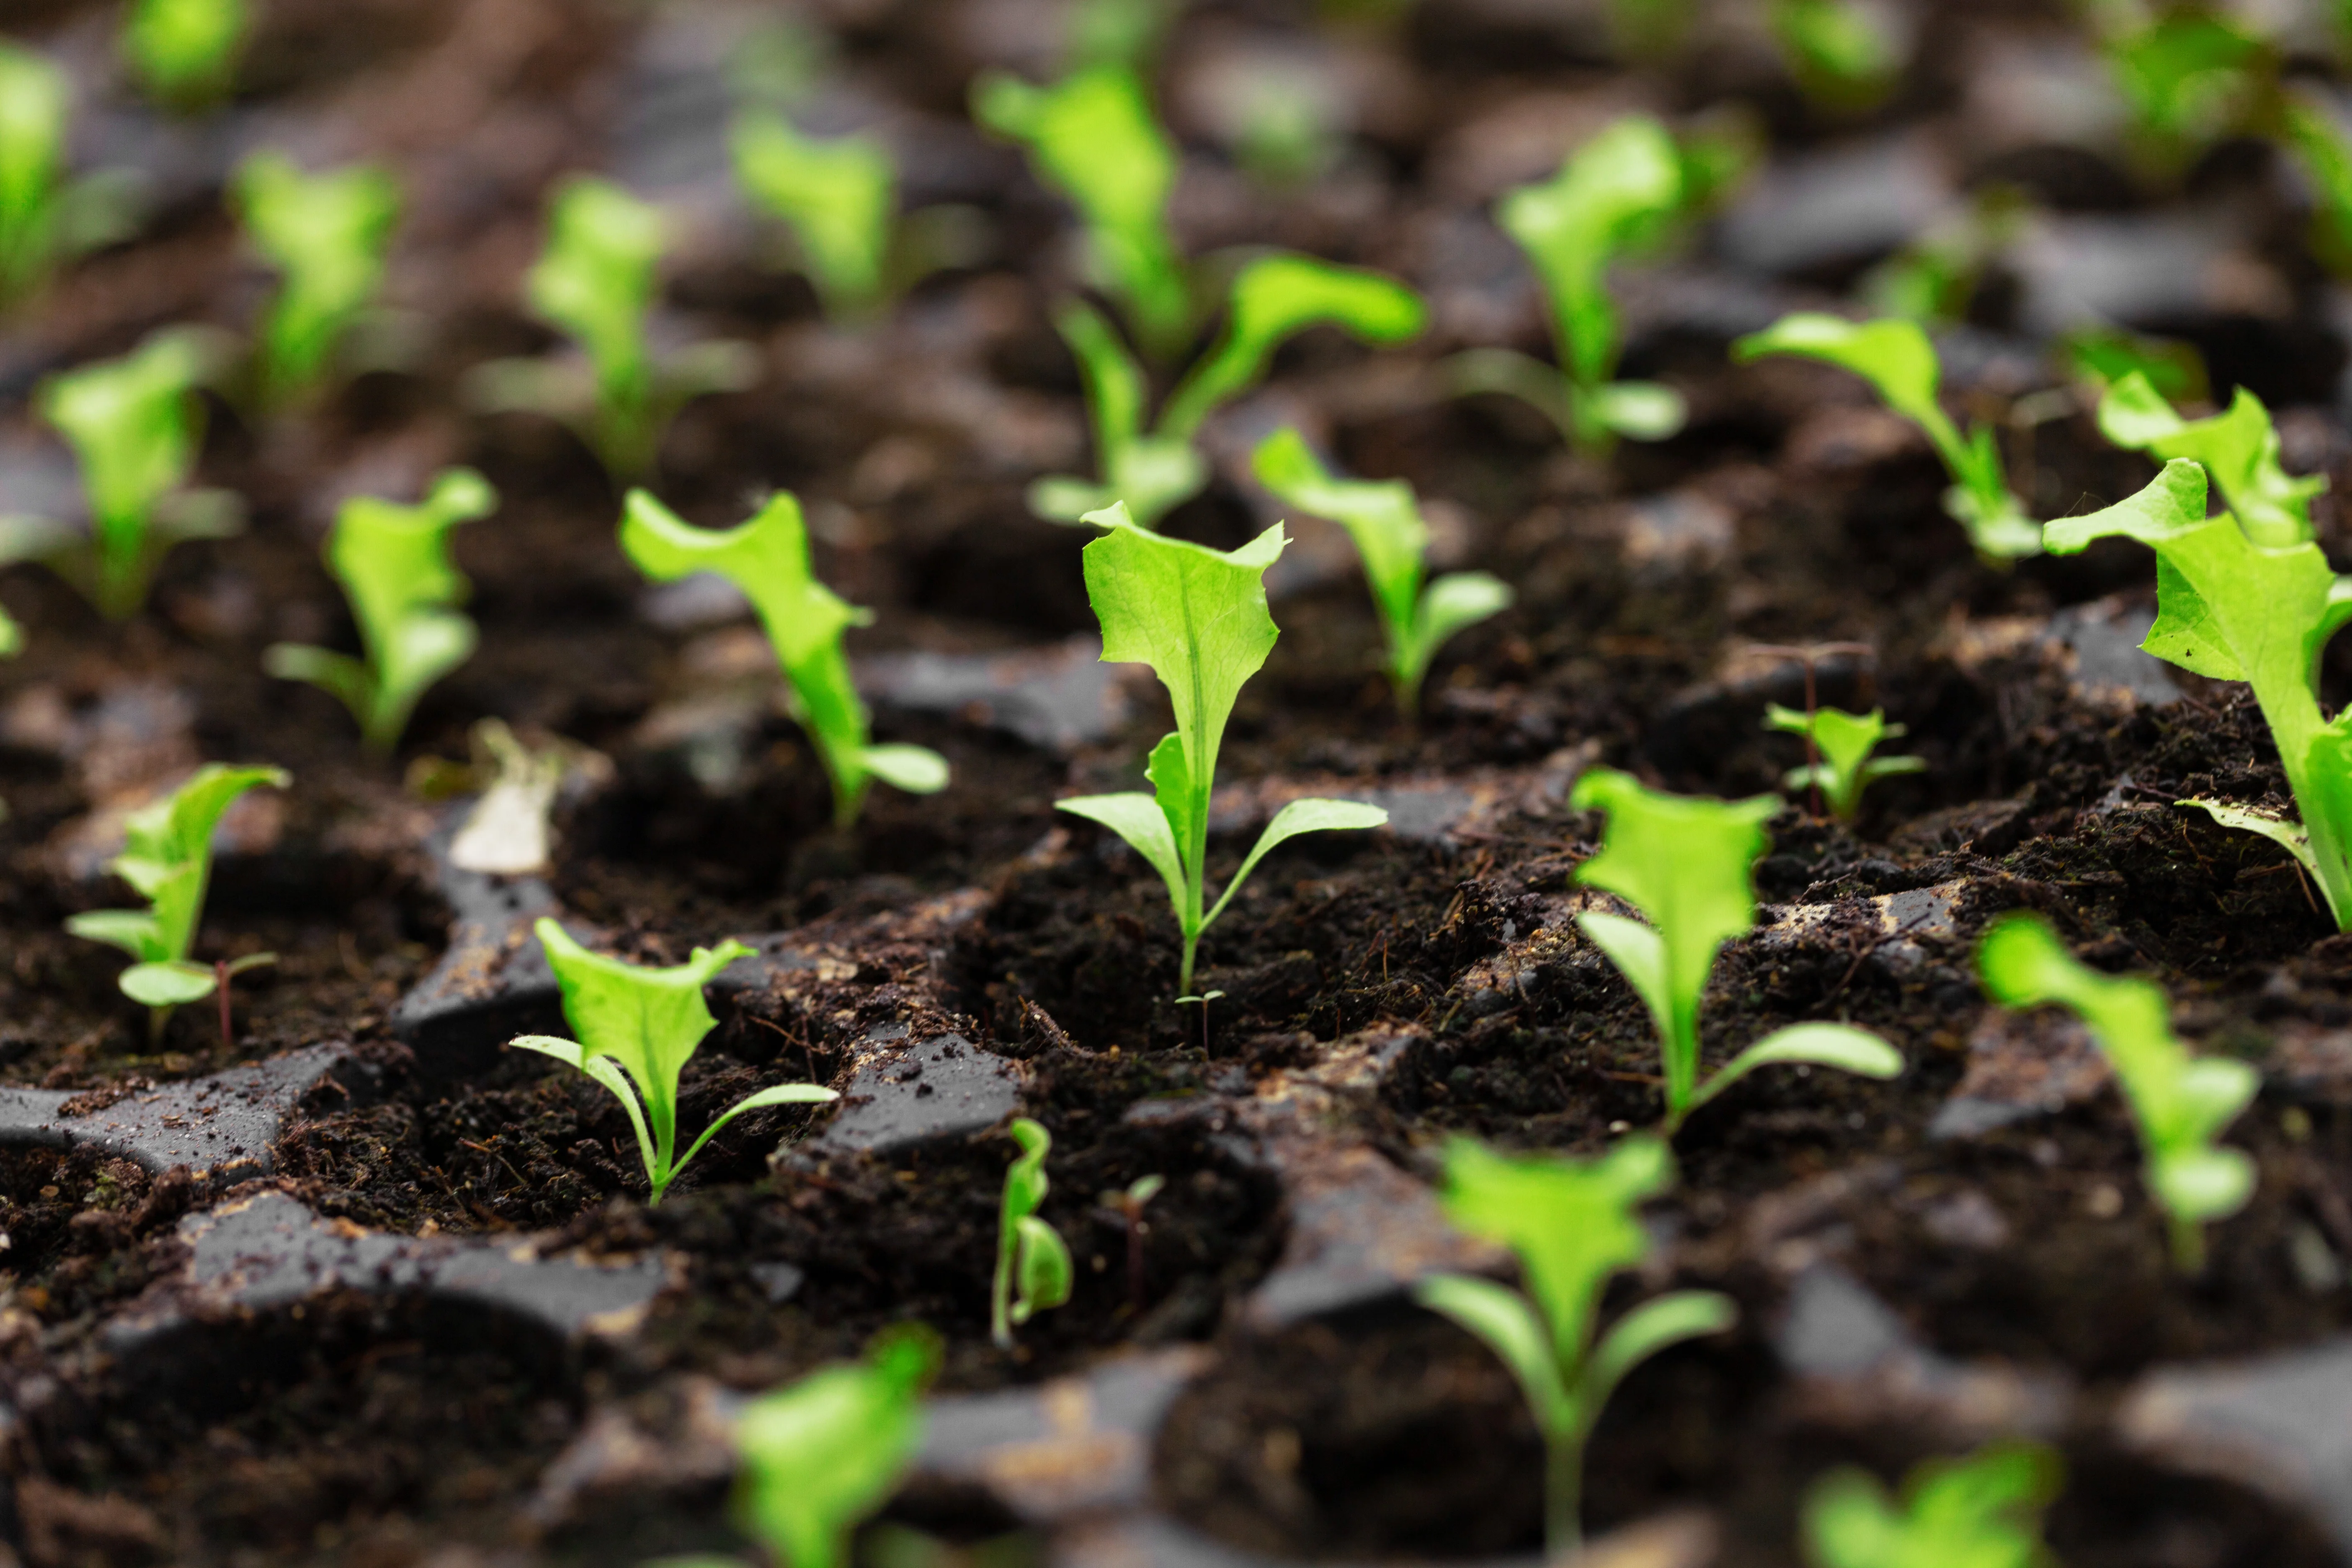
x: 595, y: 281
x: 167, y: 983
x: 1385, y: 522
x: 33, y: 103
x: 2239, y: 448
x: 1033, y: 1266
x: 1838, y: 51
x: 1149, y: 474
x: 185, y: 51
x: 822, y: 1453
x: 767, y: 558
x: 327, y: 233
x: 2102, y: 356
x: 1573, y: 1225
x: 2184, y: 78
x: 1844, y: 741
x: 646, y: 1024
x: 1839, y: 1045
x: 1981, y: 1511
x: 1198, y: 617
x: 393, y: 563
x: 2182, y: 1102
x: 838, y: 196
x: 1272, y: 300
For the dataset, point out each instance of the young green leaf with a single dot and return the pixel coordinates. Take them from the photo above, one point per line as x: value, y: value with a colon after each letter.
x: 185, y: 51
x: 2230, y: 609
x: 1392, y: 540
x: 1033, y: 1265
x: 1838, y: 51
x: 32, y: 154
x: 2102, y: 356
x: 1844, y: 742
x: 1981, y: 1512
x: 822, y: 1453
x: 2239, y: 448
x: 392, y: 562
x: 1151, y: 473
x: 646, y: 1023
x: 1686, y: 863
x: 838, y: 196
x: 2182, y: 1102
x: 1198, y: 617
x: 1895, y: 357
x: 2185, y: 77
x: 1574, y: 1224
x: 167, y: 858
x: 767, y: 558
x: 327, y: 233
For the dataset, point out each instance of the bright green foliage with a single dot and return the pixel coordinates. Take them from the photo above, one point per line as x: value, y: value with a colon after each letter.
x: 1033, y: 1263
x: 1686, y: 863
x: 185, y: 51
x: 2232, y: 609
x: 838, y: 196
x: 44, y: 218
x: 2239, y: 448
x: 1842, y: 742
x: 2182, y: 1102
x: 1895, y: 357
x: 822, y: 1453
x: 1093, y: 137
x: 1273, y: 299
x: 1573, y: 1225
x: 2185, y: 77
x: 393, y: 563
x: 646, y: 1023
x: 767, y: 558
x: 167, y: 857
x: 327, y: 233
x: 1982, y: 1511
x: 1611, y: 194
x: 2102, y: 356
x: 133, y: 422
x: 1839, y: 53
x: 1198, y: 617
x: 1390, y: 539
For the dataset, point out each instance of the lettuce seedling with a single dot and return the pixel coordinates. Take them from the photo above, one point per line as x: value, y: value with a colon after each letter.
x: 767, y: 558
x: 1686, y: 863
x: 184, y: 52
x: 133, y: 422
x: 2229, y: 607
x: 838, y: 196
x: 2185, y: 76
x: 1611, y: 194
x: 1981, y: 1512
x: 639, y: 1027
x: 46, y: 218
x: 1841, y: 743
x: 1573, y: 1225
x: 1837, y: 50
x: 326, y: 232
x: 167, y: 857
x: 1198, y: 617
x: 393, y: 563
x: 1895, y: 356
x: 2182, y: 1102
x: 2100, y: 356
x: 1392, y: 540
x: 2239, y: 448
x: 1033, y: 1263
x: 1273, y: 299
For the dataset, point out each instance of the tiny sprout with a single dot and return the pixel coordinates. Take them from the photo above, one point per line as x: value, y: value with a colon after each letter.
x: 837, y: 198
x: 1573, y: 1225
x: 1033, y: 1265
x: 327, y: 233
x: 1198, y: 617
x: 184, y: 52
x: 1838, y: 50
x: 767, y: 558
x: 1686, y: 863
x: 1392, y: 541
x: 44, y: 218
x: 507, y: 832
x: 2099, y: 356
x: 2185, y: 76
x: 1981, y: 1512
x: 392, y: 562
x: 1129, y: 1206
x: 167, y: 858
x: 1895, y: 356
x: 2182, y: 1102
x: 641, y: 1027
x: 1843, y: 742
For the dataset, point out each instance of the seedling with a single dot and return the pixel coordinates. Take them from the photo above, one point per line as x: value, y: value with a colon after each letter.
x: 326, y: 232
x: 1573, y: 1225
x: 2239, y: 448
x: 184, y: 52
x: 2186, y: 77
x: 1837, y: 50
x: 1895, y: 356
x: 639, y: 1027
x: 767, y: 558
x: 1127, y: 1206
x: 2311, y: 133
x: 1613, y: 193
x: 44, y: 218
x: 392, y: 562
x: 596, y: 281
x: 1981, y: 1512
x: 167, y: 857
x: 133, y: 422
x: 1392, y: 541
x: 1273, y: 299
x: 837, y: 198
x: 2182, y: 1102
x: 2231, y: 607
x: 1933, y: 280
x: 1686, y: 863
x: 2099, y: 357
x: 1033, y: 1265
x: 1198, y: 617
x: 1841, y: 743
